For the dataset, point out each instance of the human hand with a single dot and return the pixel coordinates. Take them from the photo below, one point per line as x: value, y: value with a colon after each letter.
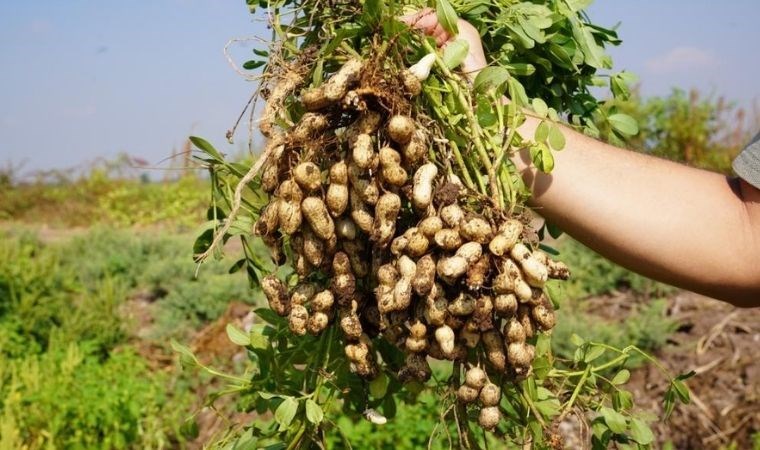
x: 426, y: 21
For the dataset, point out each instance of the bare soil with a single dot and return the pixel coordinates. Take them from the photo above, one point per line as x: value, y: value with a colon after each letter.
x: 721, y: 344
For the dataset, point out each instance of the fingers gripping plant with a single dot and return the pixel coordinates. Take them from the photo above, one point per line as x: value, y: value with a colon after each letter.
x: 387, y: 193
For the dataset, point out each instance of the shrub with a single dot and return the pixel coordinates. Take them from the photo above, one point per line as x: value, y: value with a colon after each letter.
x: 69, y: 397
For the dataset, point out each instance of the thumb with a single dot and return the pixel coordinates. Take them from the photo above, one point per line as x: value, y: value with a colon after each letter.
x: 424, y: 19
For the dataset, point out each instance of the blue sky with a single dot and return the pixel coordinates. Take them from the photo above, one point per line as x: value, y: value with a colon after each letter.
x: 84, y: 79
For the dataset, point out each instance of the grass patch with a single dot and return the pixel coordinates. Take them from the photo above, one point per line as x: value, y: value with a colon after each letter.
x: 70, y: 376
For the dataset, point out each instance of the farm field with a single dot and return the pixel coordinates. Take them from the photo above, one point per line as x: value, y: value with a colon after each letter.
x: 91, y: 294
x: 310, y: 225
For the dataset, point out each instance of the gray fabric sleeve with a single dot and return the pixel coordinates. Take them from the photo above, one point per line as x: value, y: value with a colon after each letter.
x: 747, y: 164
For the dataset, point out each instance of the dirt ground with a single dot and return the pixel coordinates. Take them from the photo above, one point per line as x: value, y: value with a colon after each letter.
x: 718, y: 342
x: 721, y: 344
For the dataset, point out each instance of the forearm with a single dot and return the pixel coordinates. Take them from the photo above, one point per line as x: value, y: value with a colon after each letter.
x: 677, y: 224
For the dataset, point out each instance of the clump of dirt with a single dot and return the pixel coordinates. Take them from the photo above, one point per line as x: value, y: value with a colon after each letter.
x: 211, y: 343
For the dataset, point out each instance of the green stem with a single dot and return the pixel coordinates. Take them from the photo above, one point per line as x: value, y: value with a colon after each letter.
x: 325, y: 360
x: 348, y: 49
x: 533, y: 408
x: 613, y: 362
x: 465, y: 104
x: 454, y: 147
x: 297, y: 438
x: 575, y: 394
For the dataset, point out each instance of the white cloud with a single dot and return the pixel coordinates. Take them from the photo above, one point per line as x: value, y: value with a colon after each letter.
x: 681, y: 58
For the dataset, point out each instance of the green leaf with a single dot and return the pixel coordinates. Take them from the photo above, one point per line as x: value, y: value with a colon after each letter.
x: 681, y: 390
x: 560, y: 56
x: 554, y: 231
x: 542, y: 132
x: 624, y: 124
x: 539, y: 106
x: 268, y: 315
x: 262, y: 53
x: 189, y: 429
x: 547, y: 159
x: 258, y: 339
x: 521, y: 69
x: 686, y: 376
x: 455, y: 53
x: 541, y: 367
x: 543, y: 344
x: 592, y: 52
x: 640, y: 432
x: 285, y: 413
x: 237, y: 336
x: 621, y: 377
x: 268, y: 395
x: 578, y: 5
x: 532, y: 30
x: 186, y: 355
x: 556, y: 138
x: 253, y: 446
x: 490, y: 77
x: 318, y: 75
x: 577, y: 340
x: 600, y: 435
x: 593, y: 352
x: 239, y: 264
x: 549, y: 408
x: 613, y: 419
x: 485, y: 112
x: 622, y: 400
x: 530, y: 389
x: 373, y: 12
x: 669, y: 402
x: 314, y: 412
x: 344, y: 33
x: 447, y: 16
x: 619, y: 89
x: 253, y: 64
x: 379, y: 386
x: 517, y: 93
x: 204, y: 146
x: 521, y: 35
x: 203, y: 242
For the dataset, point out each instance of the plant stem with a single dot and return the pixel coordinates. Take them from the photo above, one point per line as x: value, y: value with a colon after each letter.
x: 465, y: 104
x: 533, y: 409
x: 575, y: 394
x: 454, y: 147
x: 297, y: 438
x: 607, y: 365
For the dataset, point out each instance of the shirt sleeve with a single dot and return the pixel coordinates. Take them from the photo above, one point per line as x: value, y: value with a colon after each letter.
x: 747, y: 164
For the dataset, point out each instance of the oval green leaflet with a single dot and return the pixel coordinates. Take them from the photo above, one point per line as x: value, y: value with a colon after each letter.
x: 314, y: 412
x: 455, y: 53
x: 624, y: 124
x: 237, y: 336
x: 447, y: 17
x: 286, y: 412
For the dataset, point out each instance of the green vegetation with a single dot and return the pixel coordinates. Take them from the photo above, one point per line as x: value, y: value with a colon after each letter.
x: 689, y: 127
x: 594, y: 275
x: 71, y: 375
x: 102, y: 196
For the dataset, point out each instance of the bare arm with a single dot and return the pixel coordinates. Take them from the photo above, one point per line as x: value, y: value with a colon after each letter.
x: 687, y: 227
